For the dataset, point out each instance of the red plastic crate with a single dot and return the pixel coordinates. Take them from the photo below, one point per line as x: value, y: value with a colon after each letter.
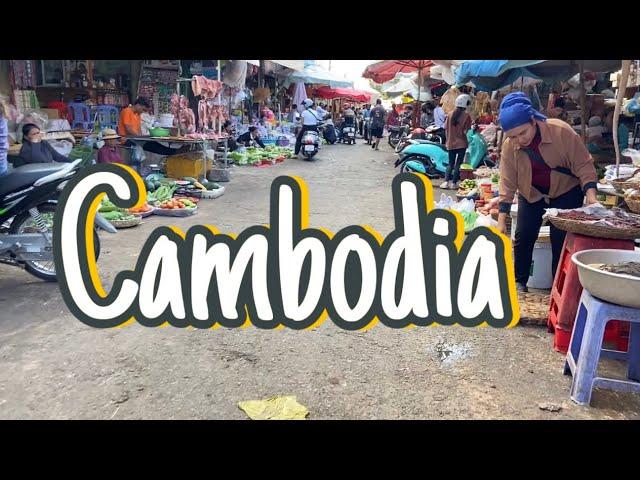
x: 566, y: 291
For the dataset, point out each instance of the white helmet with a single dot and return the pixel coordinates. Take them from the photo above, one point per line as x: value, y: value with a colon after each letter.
x: 463, y: 101
x: 307, y: 102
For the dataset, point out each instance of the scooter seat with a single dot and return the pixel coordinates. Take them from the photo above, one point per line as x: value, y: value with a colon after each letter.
x: 26, y: 175
x: 429, y: 142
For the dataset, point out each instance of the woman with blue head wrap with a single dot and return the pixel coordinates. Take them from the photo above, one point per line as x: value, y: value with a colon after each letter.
x: 548, y: 165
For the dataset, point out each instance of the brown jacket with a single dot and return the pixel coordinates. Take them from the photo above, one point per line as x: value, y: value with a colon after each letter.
x: 560, y: 146
x: 457, y: 134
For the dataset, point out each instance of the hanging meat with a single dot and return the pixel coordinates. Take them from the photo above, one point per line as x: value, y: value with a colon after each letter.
x: 182, y: 114
x: 204, y: 87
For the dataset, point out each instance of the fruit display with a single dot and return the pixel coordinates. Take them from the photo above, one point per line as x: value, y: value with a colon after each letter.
x: 467, y: 188
x: 144, y: 211
x: 176, y: 204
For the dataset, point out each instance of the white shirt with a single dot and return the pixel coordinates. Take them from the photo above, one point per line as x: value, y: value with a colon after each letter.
x: 309, y: 117
x: 321, y: 112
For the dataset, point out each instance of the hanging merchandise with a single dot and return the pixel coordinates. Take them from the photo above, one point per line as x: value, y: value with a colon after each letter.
x: 299, y: 95
x: 204, y: 87
x: 261, y: 94
x: 235, y: 73
x: 449, y: 100
x: 22, y: 75
x: 158, y: 86
x: 182, y: 114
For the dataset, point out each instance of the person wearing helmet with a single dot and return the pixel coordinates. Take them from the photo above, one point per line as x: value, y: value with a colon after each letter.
x: 348, y: 118
x: 456, y: 126
x: 309, y: 119
x: 545, y: 161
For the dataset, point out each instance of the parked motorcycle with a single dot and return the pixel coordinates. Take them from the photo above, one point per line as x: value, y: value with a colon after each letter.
x: 435, y: 134
x: 415, y: 134
x: 28, y: 200
x: 329, y: 132
x: 432, y: 159
x: 396, y: 132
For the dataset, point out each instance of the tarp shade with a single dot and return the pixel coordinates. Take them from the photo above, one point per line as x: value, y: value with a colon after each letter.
x: 314, y: 74
x: 480, y: 72
x: 381, y: 72
x: 347, y: 93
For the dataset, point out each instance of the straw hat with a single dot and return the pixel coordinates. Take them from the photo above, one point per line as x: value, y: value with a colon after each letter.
x: 109, y: 134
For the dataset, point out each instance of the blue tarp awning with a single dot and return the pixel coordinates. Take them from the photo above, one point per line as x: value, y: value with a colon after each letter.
x: 317, y: 75
x: 489, y: 75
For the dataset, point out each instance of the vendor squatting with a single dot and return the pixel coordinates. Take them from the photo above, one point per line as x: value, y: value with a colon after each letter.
x: 287, y: 274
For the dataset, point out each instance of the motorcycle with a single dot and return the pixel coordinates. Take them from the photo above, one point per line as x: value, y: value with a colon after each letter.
x: 432, y: 158
x: 396, y: 132
x: 311, y: 143
x: 415, y: 134
x: 367, y: 130
x: 435, y: 134
x: 329, y: 132
x: 28, y: 200
x: 349, y: 135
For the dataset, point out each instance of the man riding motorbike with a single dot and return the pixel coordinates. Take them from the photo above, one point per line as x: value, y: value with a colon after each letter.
x: 348, y: 118
x: 309, y: 119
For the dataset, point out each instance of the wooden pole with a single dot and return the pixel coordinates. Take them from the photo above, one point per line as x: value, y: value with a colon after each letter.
x: 583, y: 103
x: 622, y: 86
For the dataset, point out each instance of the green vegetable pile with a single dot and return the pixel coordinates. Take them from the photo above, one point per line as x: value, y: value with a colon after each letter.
x: 256, y: 155
x: 495, y: 178
x: 117, y: 215
x: 111, y: 212
x: 162, y: 193
x: 83, y: 152
x: 468, y: 184
x: 469, y: 220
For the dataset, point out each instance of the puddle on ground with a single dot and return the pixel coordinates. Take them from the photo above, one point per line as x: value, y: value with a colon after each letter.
x: 447, y: 352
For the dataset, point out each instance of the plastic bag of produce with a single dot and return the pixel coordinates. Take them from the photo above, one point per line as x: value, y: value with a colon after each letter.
x: 445, y: 202
x: 485, y: 221
x: 465, y: 205
x: 469, y: 220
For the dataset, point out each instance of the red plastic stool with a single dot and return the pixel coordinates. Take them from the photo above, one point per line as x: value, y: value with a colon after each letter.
x: 566, y: 291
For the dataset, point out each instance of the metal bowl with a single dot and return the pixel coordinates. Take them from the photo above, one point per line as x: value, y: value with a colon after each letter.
x: 611, y: 287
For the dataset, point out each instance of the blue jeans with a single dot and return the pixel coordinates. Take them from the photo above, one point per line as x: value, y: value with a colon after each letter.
x: 456, y: 157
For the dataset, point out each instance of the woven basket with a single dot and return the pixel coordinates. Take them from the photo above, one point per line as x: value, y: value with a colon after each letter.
x: 144, y: 214
x: 633, y: 204
x: 126, y: 223
x: 591, y: 230
x: 622, y: 184
x: 176, y: 212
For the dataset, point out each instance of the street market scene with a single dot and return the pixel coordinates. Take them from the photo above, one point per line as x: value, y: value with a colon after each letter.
x: 544, y: 152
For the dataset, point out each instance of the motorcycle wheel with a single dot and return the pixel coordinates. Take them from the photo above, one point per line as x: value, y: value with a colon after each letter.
x: 400, y: 146
x: 431, y: 171
x: 24, y: 223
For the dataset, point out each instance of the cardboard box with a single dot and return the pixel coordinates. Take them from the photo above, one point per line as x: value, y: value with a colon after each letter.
x: 52, y: 113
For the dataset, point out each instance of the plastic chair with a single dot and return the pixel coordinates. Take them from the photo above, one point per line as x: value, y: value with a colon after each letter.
x: 107, y: 116
x: 586, y: 349
x: 79, y: 116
